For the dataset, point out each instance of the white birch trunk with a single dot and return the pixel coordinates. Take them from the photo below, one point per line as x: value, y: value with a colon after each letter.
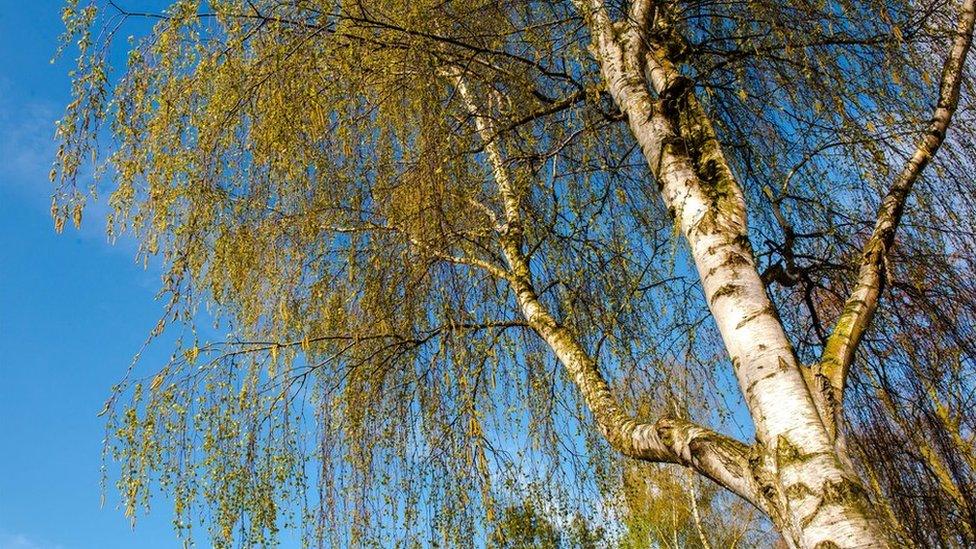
x: 815, y: 501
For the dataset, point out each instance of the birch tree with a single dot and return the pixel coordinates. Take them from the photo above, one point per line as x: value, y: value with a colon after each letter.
x: 420, y: 253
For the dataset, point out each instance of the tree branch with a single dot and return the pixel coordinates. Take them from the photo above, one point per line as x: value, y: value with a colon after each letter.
x: 486, y: 266
x: 859, y: 309
x: 668, y: 440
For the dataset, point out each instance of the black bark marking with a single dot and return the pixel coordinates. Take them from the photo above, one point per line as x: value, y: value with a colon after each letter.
x: 767, y: 310
x: 844, y: 493
x: 786, y: 452
x: 798, y: 490
x: 735, y: 259
x: 726, y: 290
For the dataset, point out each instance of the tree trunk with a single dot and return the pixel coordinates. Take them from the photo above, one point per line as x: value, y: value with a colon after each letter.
x: 812, y: 497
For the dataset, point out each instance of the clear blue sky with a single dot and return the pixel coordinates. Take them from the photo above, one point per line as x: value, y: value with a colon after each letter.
x: 73, y: 310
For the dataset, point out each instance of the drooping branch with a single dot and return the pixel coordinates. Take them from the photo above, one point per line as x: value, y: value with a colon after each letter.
x: 859, y: 309
x: 487, y: 266
x: 667, y: 440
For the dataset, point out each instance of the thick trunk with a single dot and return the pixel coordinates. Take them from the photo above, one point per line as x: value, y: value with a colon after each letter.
x: 815, y: 500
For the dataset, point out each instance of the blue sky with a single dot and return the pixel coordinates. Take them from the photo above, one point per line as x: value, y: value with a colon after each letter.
x: 73, y: 310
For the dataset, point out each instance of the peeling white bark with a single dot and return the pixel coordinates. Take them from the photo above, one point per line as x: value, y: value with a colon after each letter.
x: 815, y: 501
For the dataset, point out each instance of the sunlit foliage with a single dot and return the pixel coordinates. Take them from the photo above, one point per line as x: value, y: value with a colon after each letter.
x: 349, y: 363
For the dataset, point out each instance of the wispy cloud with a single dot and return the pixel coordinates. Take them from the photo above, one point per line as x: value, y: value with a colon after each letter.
x: 21, y: 541
x: 27, y: 150
x: 27, y: 146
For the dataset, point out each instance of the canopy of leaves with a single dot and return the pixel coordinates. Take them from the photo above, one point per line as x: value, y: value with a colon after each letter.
x: 315, y: 188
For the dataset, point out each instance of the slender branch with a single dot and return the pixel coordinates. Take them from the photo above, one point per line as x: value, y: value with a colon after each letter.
x: 693, y: 496
x: 668, y: 440
x: 556, y: 106
x: 842, y: 344
x: 487, y: 266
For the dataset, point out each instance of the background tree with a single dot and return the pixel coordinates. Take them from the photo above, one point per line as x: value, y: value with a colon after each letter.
x: 527, y: 524
x: 523, y: 526
x: 471, y: 243
x: 663, y: 509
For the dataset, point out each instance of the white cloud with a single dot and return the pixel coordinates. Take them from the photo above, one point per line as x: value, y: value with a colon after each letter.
x: 27, y: 143
x: 21, y: 541
x: 28, y: 147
